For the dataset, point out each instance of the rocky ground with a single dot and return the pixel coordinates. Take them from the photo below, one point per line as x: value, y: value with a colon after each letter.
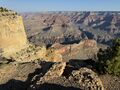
x: 14, y: 76
x: 110, y: 82
x: 51, y: 76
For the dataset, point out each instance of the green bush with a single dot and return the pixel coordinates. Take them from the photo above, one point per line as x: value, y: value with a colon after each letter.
x: 109, y: 59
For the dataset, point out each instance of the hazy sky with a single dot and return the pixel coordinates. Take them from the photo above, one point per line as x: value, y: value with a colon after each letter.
x: 61, y: 5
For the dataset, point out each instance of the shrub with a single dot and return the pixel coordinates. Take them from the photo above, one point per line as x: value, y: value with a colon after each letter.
x: 109, y: 59
x: 2, y: 9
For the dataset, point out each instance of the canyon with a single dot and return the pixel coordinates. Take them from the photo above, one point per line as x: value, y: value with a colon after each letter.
x: 55, y: 50
x: 71, y: 27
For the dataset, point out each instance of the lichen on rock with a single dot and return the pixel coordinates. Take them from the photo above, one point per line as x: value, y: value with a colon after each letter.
x: 87, y: 79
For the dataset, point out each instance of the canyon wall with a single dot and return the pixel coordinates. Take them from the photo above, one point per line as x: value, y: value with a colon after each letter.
x: 12, y: 33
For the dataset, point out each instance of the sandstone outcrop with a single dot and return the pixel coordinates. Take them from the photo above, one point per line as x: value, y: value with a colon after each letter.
x: 86, y: 49
x: 34, y: 53
x: 12, y: 33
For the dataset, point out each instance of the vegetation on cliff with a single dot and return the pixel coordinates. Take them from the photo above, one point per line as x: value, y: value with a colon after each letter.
x: 3, y: 9
x: 109, y: 60
x: 6, y: 11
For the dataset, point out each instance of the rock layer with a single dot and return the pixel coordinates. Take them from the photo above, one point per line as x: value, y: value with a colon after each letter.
x: 86, y: 49
x: 12, y: 33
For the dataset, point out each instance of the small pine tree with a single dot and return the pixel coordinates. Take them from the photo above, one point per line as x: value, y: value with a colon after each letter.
x: 109, y: 60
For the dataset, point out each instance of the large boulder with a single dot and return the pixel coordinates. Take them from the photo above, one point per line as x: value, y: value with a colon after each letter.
x: 87, y: 79
x: 55, y: 71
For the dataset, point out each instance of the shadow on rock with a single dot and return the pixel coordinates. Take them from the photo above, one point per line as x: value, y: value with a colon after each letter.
x: 13, y: 85
x: 32, y: 78
x: 19, y: 85
x: 40, y: 72
x: 47, y: 86
x: 76, y: 64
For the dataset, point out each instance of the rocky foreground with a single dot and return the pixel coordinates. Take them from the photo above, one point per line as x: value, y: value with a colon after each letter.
x: 46, y: 75
x: 25, y: 66
x: 51, y: 76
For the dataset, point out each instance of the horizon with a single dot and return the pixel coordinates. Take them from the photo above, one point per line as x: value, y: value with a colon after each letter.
x: 63, y: 5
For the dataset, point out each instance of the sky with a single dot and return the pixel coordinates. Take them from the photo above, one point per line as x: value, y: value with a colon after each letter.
x: 61, y: 5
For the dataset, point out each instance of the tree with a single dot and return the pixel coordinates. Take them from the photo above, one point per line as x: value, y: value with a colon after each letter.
x: 109, y: 59
x: 1, y: 9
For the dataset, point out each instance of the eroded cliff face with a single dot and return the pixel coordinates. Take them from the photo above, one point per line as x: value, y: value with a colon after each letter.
x: 12, y: 33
